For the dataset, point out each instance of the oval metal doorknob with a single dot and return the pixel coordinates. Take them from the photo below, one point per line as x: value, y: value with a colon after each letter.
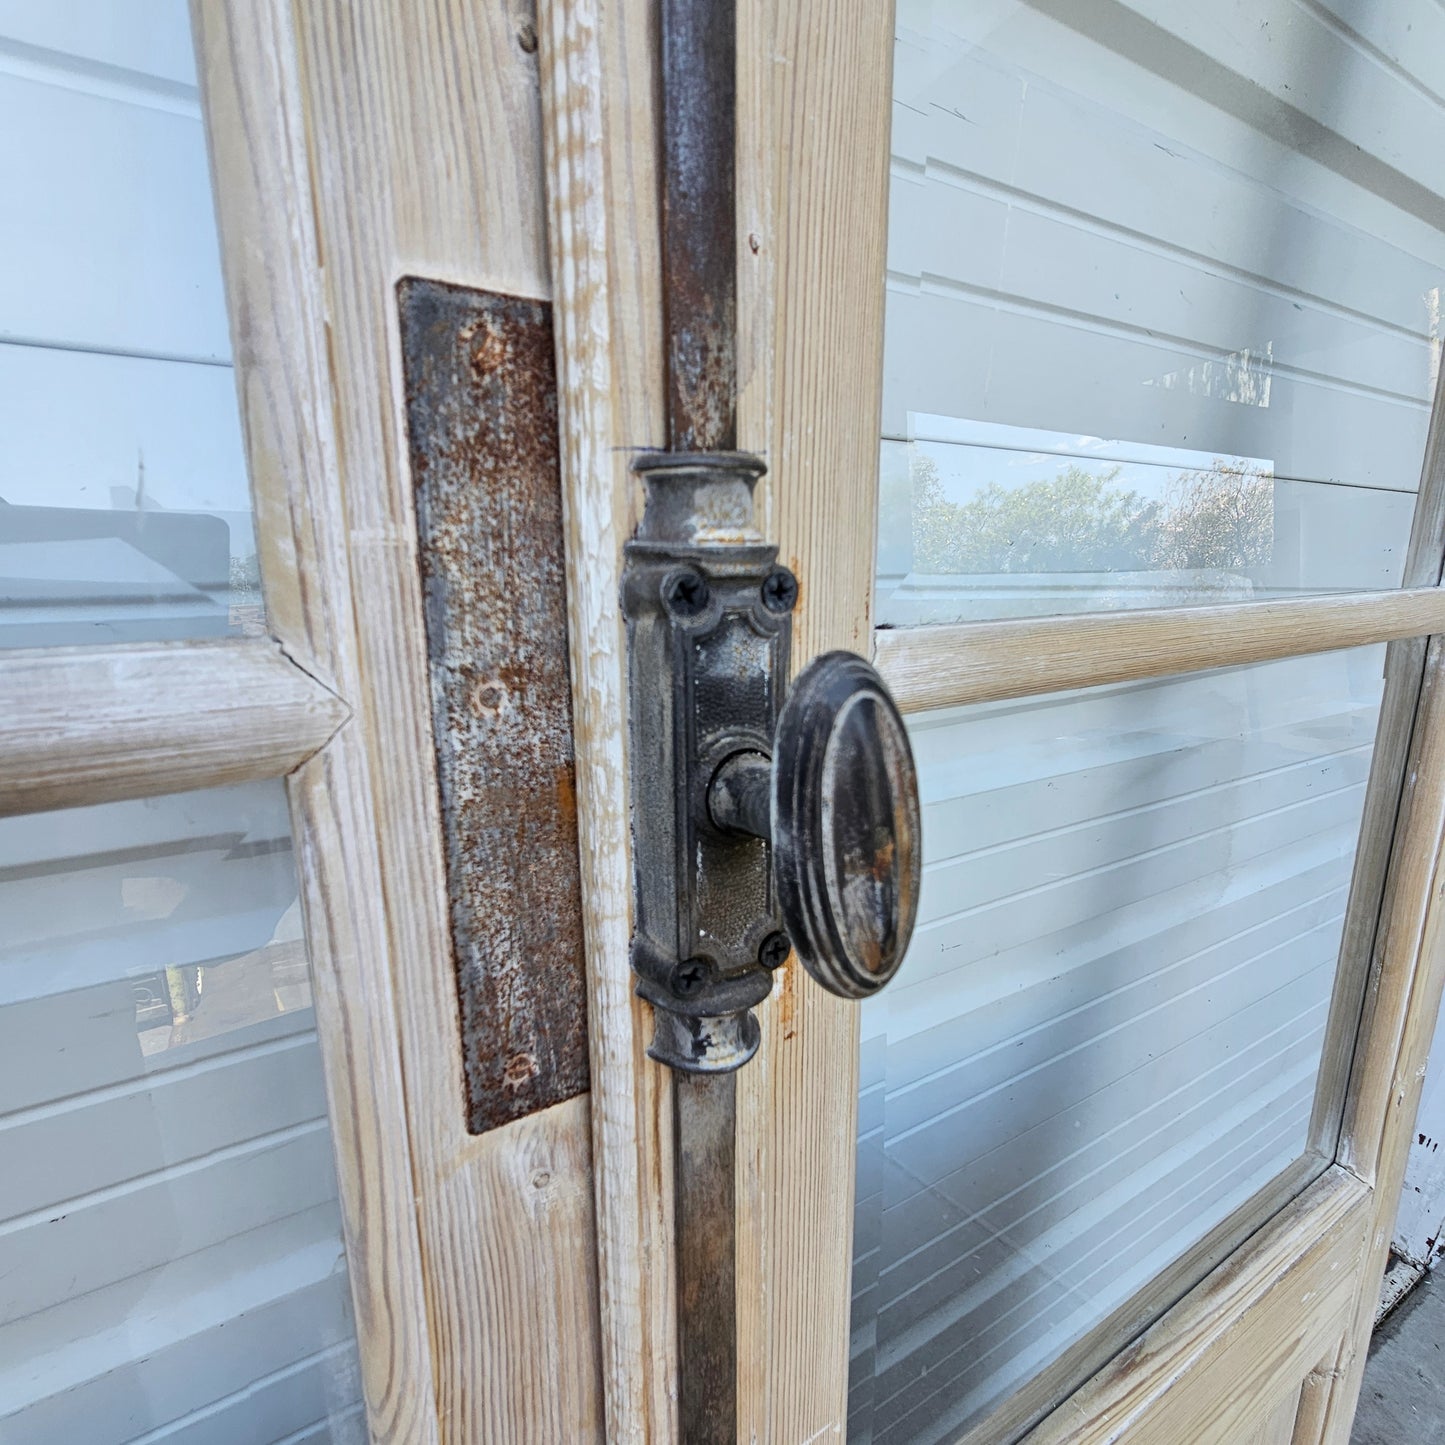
x: 839, y: 802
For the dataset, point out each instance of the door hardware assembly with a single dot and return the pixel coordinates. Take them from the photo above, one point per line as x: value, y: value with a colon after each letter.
x: 764, y: 818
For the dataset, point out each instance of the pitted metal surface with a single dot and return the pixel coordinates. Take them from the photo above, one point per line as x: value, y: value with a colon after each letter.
x: 481, y: 404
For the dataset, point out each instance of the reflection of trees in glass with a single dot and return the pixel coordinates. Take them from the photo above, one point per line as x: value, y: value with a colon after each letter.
x: 1081, y: 521
x: 1222, y: 519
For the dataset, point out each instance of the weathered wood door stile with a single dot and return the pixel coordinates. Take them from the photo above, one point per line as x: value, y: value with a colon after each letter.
x: 812, y: 217
x: 519, y: 1284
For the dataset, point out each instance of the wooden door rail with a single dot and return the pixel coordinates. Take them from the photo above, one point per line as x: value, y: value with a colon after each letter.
x: 94, y: 724
x: 945, y: 666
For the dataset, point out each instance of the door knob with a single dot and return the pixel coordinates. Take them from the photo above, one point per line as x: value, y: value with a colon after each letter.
x: 763, y: 815
x: 838, y: 803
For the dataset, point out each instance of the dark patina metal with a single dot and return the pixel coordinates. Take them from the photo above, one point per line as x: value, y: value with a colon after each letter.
x: 699, y: 299
x: 699, y: 222
x: 481, y: 415
x: 705, y: 1148
x: 707, y: 679
x: 845, y: 825
x: 780, y: 590
x: 709, y: 615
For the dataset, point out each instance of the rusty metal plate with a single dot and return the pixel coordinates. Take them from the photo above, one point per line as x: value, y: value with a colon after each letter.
x: 481, y: 406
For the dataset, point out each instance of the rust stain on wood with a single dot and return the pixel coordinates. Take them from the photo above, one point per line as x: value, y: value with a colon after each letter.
x: 481, y: 404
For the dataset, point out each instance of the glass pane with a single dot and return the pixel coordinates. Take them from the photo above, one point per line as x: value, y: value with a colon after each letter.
x: 1163, y: 306
x: 1106, y: 1033
x: 124, y: 508
x: 170, y: 1239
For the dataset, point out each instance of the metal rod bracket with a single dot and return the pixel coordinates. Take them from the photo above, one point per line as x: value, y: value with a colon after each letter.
x: 709, y: 621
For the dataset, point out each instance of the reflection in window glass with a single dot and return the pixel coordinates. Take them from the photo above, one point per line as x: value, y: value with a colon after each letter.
x: 170, y: 1240
x: 979, y: 520
x: 1106, y: 1034
x: 1163, y: 327
x: 1105, y: 249
x: 124, y: 508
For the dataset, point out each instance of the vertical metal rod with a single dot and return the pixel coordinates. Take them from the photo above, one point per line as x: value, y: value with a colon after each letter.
x: 705, y: 1124
x: 699, y: 240
x: 699, y: 289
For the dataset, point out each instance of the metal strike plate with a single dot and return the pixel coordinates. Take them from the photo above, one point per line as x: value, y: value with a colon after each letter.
x: 709, y: 626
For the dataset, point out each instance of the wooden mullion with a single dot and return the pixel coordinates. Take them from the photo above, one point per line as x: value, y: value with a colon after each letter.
x: 814, y: 78
x: 97, y: 724
x: 359, y: 143
x: 947, y: 666
x: 1397, y: 1029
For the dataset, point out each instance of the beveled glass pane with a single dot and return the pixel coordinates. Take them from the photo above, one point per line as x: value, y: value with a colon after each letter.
x: 170, y: 1237
x: 124, y: 508
x: 1163, y: 304
x: 1106, y: 1034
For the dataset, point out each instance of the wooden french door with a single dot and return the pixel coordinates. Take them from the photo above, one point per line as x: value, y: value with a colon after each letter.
x: 242, y: 1198
x: 1133, y: 1114
x: 511, y: 1274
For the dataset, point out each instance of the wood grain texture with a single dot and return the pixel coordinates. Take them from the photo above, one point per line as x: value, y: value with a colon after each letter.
x: 377, y: 152
x: 1404, y: 668
x: 1214, y: 1368
x: 247, y: 60
x: 1278, y: 1428
x: 813, y: 84
x: 928, y: 667
x: 1401, y: 1008
x: 1395, y: 1027
x: 599, y: 113
x: 424, y: 131
x: 356, y: 1024
x: 1404, y: 966
x: 1370, y: 885
x: 1316, y: 1390
x: 90, y: 725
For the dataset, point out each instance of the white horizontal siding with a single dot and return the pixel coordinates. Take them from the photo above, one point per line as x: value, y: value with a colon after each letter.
x: 116, y: 389
x: 1106, y: 1033
x: 1287, y: 49
x: 308, y: 1389
x: 204, y: 1328
x: 146, y: 1127
x: 128, y: 1229
x: 1070, y: 227
x: 179, y: 418
x: 56, y: 1046
x: 169, y: 1232
x: 102, y: 169
x: 147, y: 41
x: 1213, y: 230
